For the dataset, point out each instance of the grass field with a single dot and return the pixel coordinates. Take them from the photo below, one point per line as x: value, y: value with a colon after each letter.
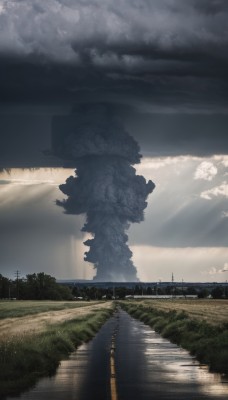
x: 201, y: 327
x: 214, y: 312
x: 11, y: 309
x: 30, y: 317
x: 32, y: 345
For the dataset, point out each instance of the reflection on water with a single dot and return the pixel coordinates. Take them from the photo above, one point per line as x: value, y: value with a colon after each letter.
x: 84, y: 376
x: 68, y: 382
x: 159, y: 369
x: 147, y: 367
x: 179, y: 366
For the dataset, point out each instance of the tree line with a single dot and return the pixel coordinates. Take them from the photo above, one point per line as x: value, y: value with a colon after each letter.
x: 41, y: 286
x: 38, y: 286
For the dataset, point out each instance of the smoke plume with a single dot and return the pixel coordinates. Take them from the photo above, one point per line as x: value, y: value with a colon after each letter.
x: 105, y: 187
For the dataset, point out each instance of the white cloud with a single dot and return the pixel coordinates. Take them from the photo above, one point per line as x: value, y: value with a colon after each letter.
x: 206, y: 171
x: 35, y: 176
x: 225, y: 267
x: 212, y: 271
x: 2, y: 8
x: 217, y: 270
x: 218, y: 191
x: 160, y: 162
x: 225, y: 214
x: 223, y: 159
x: 190, y: 263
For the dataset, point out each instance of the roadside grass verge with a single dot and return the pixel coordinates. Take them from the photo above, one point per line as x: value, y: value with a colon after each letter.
x: 26, y: 358
x: 214, y: 312
x: 14, y: 309
x: 208, y: 343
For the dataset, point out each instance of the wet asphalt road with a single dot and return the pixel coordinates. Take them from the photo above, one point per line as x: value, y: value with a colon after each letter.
x: 143, y: 366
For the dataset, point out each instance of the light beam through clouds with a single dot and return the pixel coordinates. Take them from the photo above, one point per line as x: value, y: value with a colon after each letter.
x: 192, y: 264
x: 163, y: 66
x: 182, y: 232
x: 35, y: 236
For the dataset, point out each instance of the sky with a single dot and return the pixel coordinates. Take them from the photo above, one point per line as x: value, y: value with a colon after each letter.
x: 162, y: 68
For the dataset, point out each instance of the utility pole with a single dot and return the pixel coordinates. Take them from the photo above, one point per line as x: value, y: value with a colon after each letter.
x: 17, y: 275
x: 172, y: 287
x: 172, y: 278
x: 113, y: 292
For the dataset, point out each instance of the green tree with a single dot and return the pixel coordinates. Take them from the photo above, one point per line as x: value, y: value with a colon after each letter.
x: 203, y: 293
x: 42, y: 286
x: 217, y: 292
x: 5, y: 285
x: 120, y: 292
x: 137, y: 290
x: 149, y: 291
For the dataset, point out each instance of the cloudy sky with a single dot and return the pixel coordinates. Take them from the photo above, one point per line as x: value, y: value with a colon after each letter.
x: 162, y: 67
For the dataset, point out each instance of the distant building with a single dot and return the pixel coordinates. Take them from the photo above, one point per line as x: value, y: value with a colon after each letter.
x: 193, y: 296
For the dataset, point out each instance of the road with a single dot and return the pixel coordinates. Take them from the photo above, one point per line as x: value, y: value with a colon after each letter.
x: 127, y: 360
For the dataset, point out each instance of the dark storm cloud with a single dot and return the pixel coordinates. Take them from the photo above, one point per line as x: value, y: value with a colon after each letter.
x: 179, y: 134
x: 162, y: 65
x: 141, y: 51
x: 24, y: 137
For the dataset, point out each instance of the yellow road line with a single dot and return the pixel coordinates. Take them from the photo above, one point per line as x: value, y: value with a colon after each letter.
x: 113, y: 371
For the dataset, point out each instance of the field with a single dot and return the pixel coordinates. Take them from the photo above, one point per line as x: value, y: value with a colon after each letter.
x: 33, y: 344
x: 34, y: 317
x: 215, y: 312
x: 36, y: 335
x: 13, y: 309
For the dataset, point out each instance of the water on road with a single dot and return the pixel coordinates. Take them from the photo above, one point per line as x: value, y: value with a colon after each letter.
x: 127, y: 360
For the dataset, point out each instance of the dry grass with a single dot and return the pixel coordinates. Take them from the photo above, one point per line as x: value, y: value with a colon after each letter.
x: 9, y: 309
x: 215, y: 312
x: 39, y: 322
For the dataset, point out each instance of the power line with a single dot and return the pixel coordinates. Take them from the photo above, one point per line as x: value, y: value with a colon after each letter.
x: 17, y: 275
